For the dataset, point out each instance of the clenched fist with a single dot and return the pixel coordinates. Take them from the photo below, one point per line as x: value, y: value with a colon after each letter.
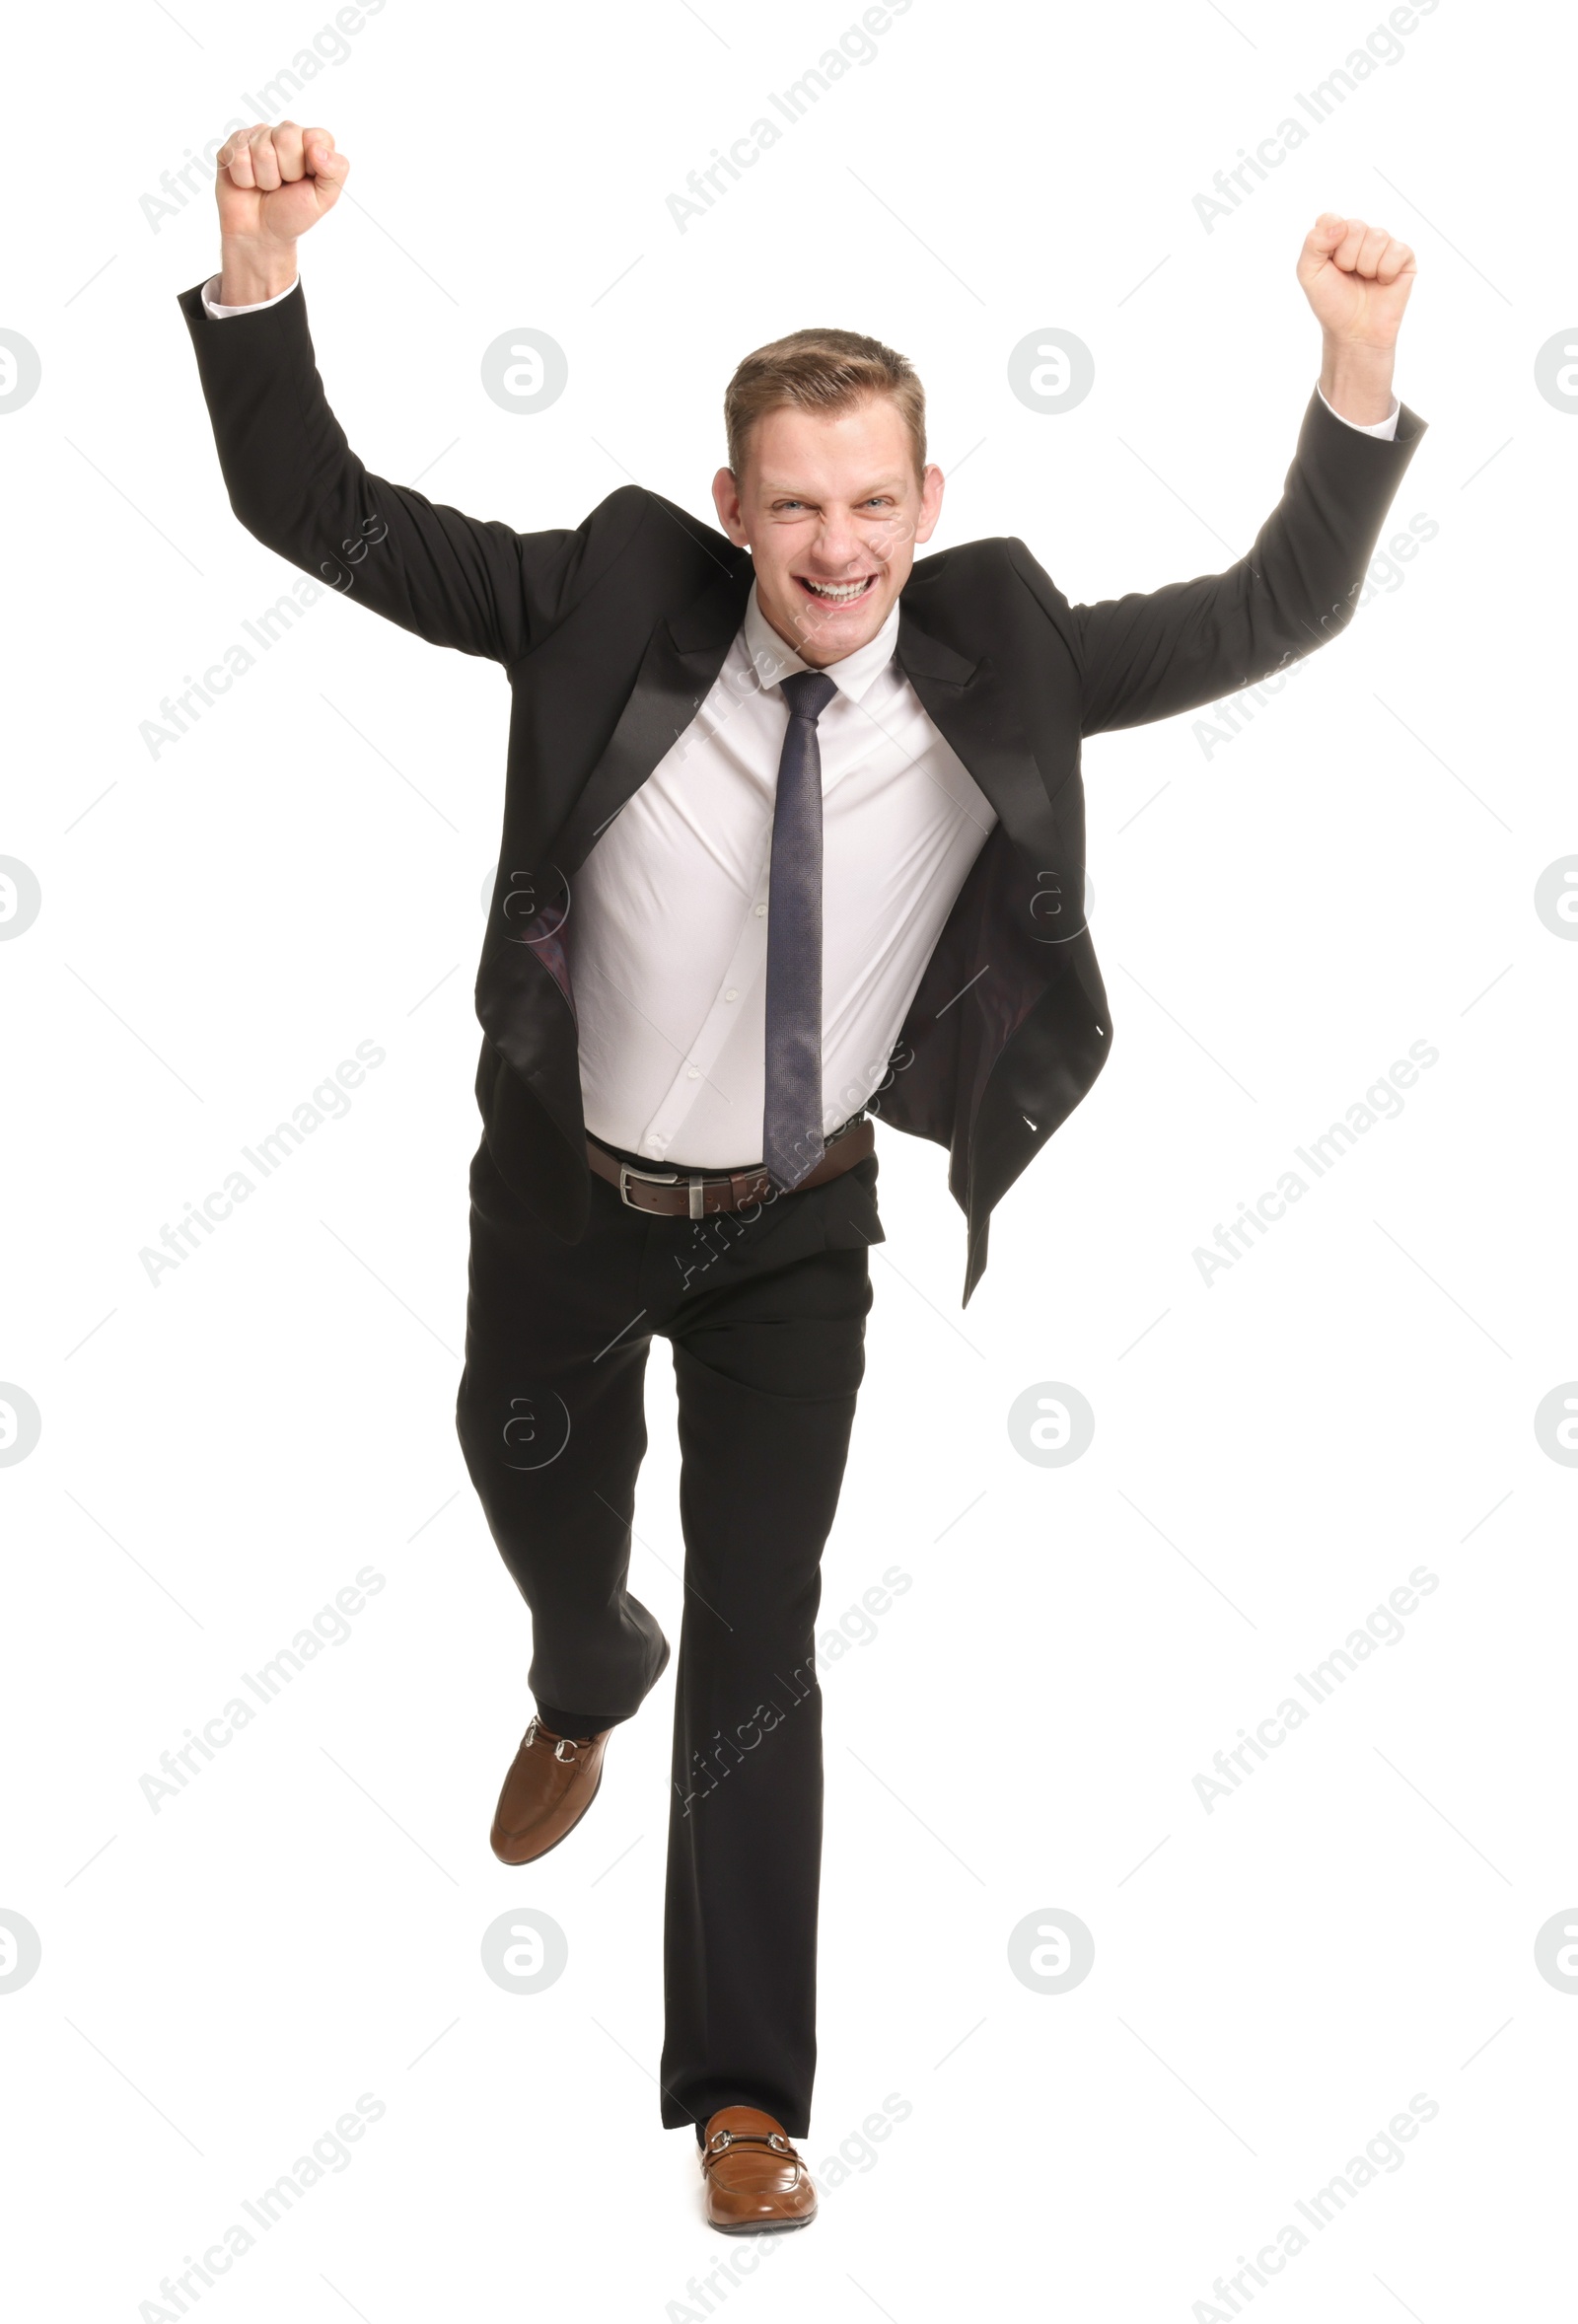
x: 1357, y: 279
x: 271, y: 185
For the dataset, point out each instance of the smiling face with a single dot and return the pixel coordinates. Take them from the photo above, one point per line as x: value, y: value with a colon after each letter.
x: 832, y: 509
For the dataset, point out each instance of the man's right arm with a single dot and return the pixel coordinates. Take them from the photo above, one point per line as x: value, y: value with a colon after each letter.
x: 293, y: 479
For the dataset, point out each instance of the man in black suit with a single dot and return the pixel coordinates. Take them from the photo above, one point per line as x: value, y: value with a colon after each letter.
x: 793, y: 837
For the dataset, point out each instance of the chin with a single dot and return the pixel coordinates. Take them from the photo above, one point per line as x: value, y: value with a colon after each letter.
x: 832, y: 631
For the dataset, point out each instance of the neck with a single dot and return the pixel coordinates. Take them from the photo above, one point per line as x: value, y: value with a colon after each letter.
x: 806, y: 645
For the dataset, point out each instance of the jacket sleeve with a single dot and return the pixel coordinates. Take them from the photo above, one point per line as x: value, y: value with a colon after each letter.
x: 1156, y: 652
x: 297, y: 487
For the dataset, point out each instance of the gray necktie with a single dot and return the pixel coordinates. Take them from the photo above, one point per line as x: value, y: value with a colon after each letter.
x: 791, y: 1128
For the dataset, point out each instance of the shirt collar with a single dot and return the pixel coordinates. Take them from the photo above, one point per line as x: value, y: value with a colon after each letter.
x: 772, y: 659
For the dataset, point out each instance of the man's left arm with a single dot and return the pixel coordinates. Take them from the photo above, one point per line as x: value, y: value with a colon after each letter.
x: 1154, y: 653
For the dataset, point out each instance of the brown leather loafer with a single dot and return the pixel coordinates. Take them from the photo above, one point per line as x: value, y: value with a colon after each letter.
x: 755, y: 2182
x: 550, y: 1784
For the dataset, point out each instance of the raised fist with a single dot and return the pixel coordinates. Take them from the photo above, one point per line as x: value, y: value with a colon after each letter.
x: 271, y: 184
x: 1357, y: 279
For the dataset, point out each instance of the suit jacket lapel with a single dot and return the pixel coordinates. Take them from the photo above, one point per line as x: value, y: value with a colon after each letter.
x: 683, y: 654
x: 969, y: 704
x: 967, y: 700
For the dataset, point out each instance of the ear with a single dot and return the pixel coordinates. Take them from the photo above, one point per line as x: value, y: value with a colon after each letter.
x: 726, y: 500
x: 931, y: 502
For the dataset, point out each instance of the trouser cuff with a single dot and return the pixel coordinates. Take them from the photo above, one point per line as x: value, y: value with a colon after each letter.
x: 577, y: 1726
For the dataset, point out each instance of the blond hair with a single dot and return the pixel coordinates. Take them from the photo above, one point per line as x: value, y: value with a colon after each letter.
x: 821, y: 371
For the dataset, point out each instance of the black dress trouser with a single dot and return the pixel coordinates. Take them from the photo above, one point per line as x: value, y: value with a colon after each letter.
x: 765, y: 1313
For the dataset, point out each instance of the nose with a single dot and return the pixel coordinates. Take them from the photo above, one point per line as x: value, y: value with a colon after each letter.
x: 839, y: 548
x: 837, y: 558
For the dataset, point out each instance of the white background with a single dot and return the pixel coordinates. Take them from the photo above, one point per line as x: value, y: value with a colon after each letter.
x: 1273, y: 1453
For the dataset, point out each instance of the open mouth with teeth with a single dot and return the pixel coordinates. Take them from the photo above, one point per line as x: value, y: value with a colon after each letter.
x: 837, y: 593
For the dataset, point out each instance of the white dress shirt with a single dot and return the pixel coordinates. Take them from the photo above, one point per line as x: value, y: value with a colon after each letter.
x: 666, y: 935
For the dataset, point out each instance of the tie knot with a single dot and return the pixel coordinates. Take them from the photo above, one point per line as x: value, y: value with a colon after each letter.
x: 807, y: 692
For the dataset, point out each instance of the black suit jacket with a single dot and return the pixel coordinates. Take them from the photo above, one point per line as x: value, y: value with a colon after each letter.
x: 611, y: 635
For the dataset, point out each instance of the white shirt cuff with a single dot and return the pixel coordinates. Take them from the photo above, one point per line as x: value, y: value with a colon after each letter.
x: 217, y: 313
x: 1386, y: 428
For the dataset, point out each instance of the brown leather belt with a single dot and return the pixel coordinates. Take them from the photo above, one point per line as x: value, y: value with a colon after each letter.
x: 701, y: 1193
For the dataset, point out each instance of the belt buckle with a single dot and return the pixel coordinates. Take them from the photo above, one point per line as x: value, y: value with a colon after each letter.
x: 663, y: 1178
x: 656, y: 1178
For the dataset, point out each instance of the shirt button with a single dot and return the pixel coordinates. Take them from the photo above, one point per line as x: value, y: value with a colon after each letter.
x: 761, y: 911
x: 731, y: 994
x: 694, y: 1073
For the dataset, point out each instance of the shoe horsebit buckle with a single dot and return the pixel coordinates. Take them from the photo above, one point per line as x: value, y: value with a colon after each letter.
x: 565, y: 1749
